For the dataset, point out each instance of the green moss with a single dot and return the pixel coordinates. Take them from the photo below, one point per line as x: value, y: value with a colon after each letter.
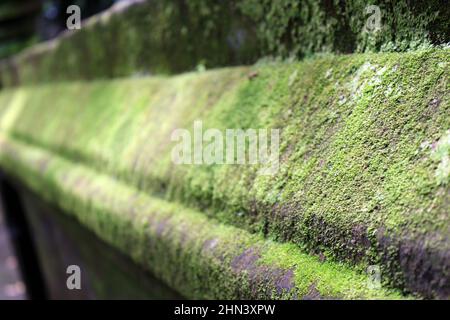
x: 162, y: 236
x: 362, y: 142
x: 292, y: 27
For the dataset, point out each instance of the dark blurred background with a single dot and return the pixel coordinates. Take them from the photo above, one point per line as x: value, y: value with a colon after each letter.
x: 25, y: 22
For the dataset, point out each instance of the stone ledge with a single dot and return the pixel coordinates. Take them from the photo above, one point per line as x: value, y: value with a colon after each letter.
x: 193, y: 254
x: 362, y: 172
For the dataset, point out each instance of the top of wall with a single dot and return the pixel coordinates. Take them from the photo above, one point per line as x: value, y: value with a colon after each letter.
x: 139, y: 37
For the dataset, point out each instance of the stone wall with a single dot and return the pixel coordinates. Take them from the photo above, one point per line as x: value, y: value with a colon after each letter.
x: 364, y: 146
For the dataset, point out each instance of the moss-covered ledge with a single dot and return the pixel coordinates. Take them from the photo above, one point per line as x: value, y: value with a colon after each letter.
x: 197, y: 256
x: 364, y: 156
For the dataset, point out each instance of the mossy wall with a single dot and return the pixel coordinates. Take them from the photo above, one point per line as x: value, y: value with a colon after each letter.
x: 364, y: 142
x: 363, y: 175
x: 170, y: 36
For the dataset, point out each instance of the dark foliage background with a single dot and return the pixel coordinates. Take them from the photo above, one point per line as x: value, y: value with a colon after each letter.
x: 25, y: 22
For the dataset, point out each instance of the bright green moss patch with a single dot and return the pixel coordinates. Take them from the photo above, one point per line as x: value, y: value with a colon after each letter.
x: 363, y: 172
x: 441, y: 152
